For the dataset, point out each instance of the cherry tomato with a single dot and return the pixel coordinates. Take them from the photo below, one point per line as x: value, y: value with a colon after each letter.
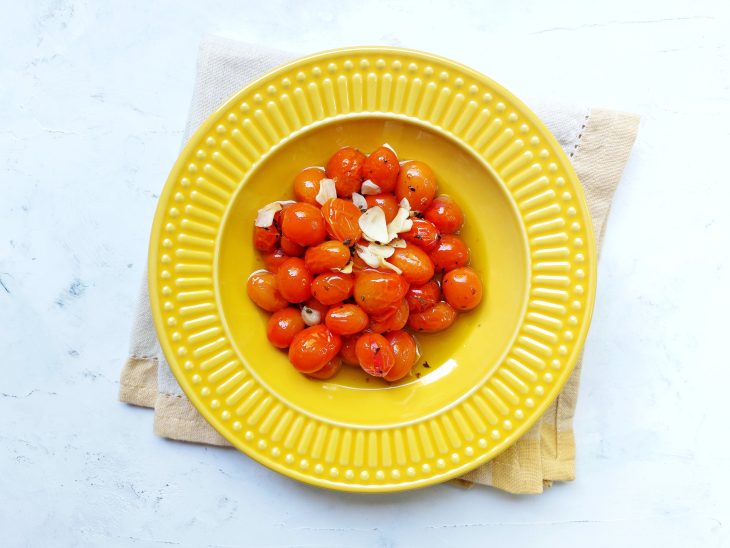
x: 377, y: 291
x: 387, y: 203
x: 330, y: 369
x: 405, y: 352
x: 346, y: 319
x: 303, y: 224
x: 345, y: 167
x: 294, y: 280
x: 341, y: 219
x: 414, y: 262
x: 347, y: 352
x: 462, y: 288
x: 392, y: 320
x: 416, y: 183
x: 451, y: 253
x: 290, y: 247
x: 382, y: 168
x: 421, y: 297
x: 326, y: 256
x: 437, y: 318
x: 424, y: 234
x: 314, y: 304
x: 283, y: 325
x: 445, y: 214
x: 265, y: 238
x: 273, y: 260
x: 374, y: 354
x: 313, y: 347
x: 332, y: 287
x: 306, y: 185
x: 262, y: 290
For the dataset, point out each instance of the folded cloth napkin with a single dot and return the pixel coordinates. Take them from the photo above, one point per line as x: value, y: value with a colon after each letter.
x: 598, y: 143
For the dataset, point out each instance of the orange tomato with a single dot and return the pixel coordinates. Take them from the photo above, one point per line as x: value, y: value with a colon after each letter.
x: 462, y: 288
x: 273, y: 260
x: 417, y: 184
x: 290, y: 247
x: 424, y: 234
x: 262, y: 290
x: 437, y: 318
x: 265, y: 238
x: 382, y: 168
x: 451, y: 253
x: 313, y: 347
x: 390, y: 321
x: 421, y: 297
x: 414, y: 262
x: 376, y: 291
x: 445, y: 214
x: 341, y: 219
x: 306, y: 185
x: 318, y: 306
x: 386, y: 202
x: 346, y: 319
x: 294, y: 280
x: 303, y: 224
x: 347, y: 352
x: 332, y: 287
x: 283, y: 325
x: 345, y: 167
x: 330, y: 369
x: 326, y: 256
x: 405, y: 352
x: 374, y: 354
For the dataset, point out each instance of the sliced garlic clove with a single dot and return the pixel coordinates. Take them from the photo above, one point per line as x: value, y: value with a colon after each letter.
x: 265, y: 215
x: 310, y: 316
x: 371, y: 260
x: 347, y: 269
x: 327, y: 191
x: 373, y: 225
x: 386, y: 264
x: 369, y: 188
x: 399, y: 243
x: 400, y: 223
x: 359, y: 201
x: 405, y: 204
x: 379, y: 250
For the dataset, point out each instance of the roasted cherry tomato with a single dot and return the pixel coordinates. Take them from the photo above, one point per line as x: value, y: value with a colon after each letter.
x: 462, y: 288
x: 306, y: 185
x: 273, y: 260
x: 392, y: 320
x: 421, y: 297
x: 451, y: 253
x: 330, y: 369
x: 314, y: 304
x: 374, y: 354
x: 424, y: 234
x: 326, y: 256
x: 265, y: 239
x: 283, y: 325
x: 347, y: 352
x: 437, y: 318
x: 375, y: 291
x: 386, y: 202
x: 382, y: 168
x: 414, y: 262
x: 345, y: 167
x: 262, y: 290
x: 303, y: 224
x: 346, y: 319
x: 290, y: 247
x: 405, y: 352
x: 341, y: 219
x: 313, y: 347
x: 445, y: 214
x: 332, y: 287
x: 294, y: 280
x: 417, y: 184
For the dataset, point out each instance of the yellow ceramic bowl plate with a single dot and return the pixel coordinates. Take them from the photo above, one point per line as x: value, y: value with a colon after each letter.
x: 479, y: 385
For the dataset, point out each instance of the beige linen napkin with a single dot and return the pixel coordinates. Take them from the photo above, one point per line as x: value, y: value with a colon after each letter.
x: 597, y: 141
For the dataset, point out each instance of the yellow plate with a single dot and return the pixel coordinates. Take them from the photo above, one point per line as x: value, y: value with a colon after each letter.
x: 486, y: 380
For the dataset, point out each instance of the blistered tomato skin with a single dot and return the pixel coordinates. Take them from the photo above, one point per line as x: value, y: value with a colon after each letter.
x: 374, y: 354
x: 332, y: 287
x: 392, y: 320
x: 326, y: 256
x: 306, y: 185
x: 346, y: 319
x: 414, y: 262
x: 405, y: 352
x: 273, y: 260
x: 386, y: 202
x: 376, y: 291
x: 437, y: 318
x: 313, y: 347
x: 294, y: 280
x: 341, y: 220
x: 330, y: 369
x: 445, y: 214
x: 417, y: 184
x: 382, y: 168
x: 283, y: 325
x: 423, y: 234
x: 303, y: 224
x: 265, y: 239
x: 462, y: 288
x: 262, y: 290
x: 451, y: 253
x: 345, y: 167
x: 421, y: 297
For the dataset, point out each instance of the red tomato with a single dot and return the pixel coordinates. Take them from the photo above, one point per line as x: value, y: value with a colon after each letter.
x: 386, y: 202
x: 303, y: 224
x: 421, y: 297
x: 374, y: 354
x: 392, y: 320
x: 345, y: 167
x: 273, y: 260
x: 405, y: 352
x: 326, y: 256
x: 330, y: 369
x: 294, y: 280
x: 306, y: 185
x: 376, y: 291
x: 451, y: 253
x: 313, y: 347
x: 437, y: 318
x: 262, y: 290
x: 346, y: 319
x: 283, y: 325
x: 341, y: 218
x: 347, y: 352
x: 416, y: 183
x: 414, y: 262
x: 462, y: 288
x: 332, y: 287
x: 424, y: 234
x: 382, y: 168
x: 265, y: 238
x: 290, y: 247
x: 445, y: 214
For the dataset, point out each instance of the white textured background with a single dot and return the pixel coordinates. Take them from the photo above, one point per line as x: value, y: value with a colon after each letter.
x: 93, y: 100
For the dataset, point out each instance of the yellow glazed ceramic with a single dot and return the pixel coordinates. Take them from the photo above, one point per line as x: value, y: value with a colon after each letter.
x: 479, y: 385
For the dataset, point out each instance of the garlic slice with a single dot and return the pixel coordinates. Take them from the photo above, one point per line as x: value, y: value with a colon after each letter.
x: 400, y: 223
x: 383, y: 251
x: 327, y: 191
x: 369, y: 258
x: 265, y: 215
x: 347, y: 269
x: 310, y: 316
x: 369, y: 188
x: 359, y: 201
x: 405, y: 204
x: 373, y: 225
x: 398, y: 243
x: 386, y: 264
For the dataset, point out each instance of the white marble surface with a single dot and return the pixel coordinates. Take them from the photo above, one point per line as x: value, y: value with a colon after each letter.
x: 93, y: 99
